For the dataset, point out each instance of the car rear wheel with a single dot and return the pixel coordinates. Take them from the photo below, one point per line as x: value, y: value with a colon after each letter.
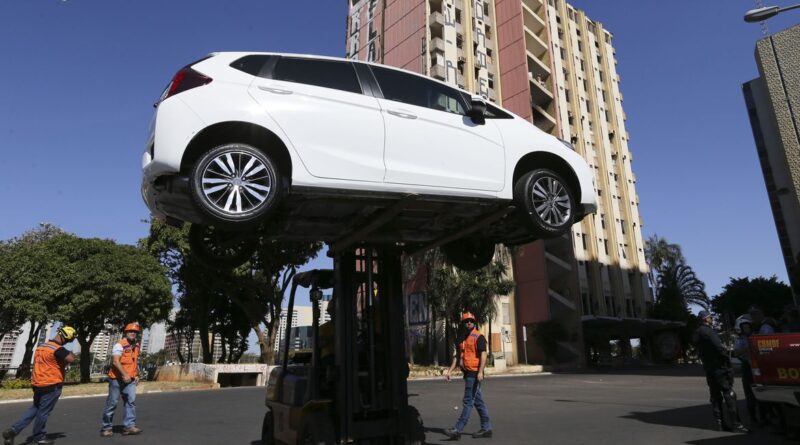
x: 221, y: 249
x: 268, y: 429
x: 469, y: 253
x: 236, y: 184
x: 546, y: 203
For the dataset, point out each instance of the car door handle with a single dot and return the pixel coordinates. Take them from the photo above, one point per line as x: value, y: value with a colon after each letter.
x: 274, y: 90
x: 401, y: 114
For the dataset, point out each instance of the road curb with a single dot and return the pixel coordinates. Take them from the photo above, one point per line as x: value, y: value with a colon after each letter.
x: 104, y: 394
x: 488, y: 376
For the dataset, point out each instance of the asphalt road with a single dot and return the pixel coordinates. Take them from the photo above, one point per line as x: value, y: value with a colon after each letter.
x: 548, y: 409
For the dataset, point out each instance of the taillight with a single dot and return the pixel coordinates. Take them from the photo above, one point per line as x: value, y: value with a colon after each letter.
x: 184, y: 80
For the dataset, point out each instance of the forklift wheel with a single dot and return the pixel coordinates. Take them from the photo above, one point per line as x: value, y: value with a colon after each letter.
x: 317, y: 430
x: 414, y: 429
x: 268, y: 429
x: 469, y: 253
x: 220, y: 249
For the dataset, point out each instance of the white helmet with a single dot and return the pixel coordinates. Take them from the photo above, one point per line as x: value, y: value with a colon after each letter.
x: 742, y: 320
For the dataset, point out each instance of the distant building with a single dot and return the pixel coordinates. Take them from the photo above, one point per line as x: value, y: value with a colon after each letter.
x: 773, y: 104
x: 174, y: 343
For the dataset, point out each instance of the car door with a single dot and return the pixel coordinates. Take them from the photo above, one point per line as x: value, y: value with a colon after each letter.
x: 429, y: 139
x: 336, y: 130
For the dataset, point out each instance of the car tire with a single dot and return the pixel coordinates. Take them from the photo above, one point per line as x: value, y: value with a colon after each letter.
x: 413, y: 428
x: 236, y: 185
x: 221, y: 249
x: 317, y: 430
x: 545, y: 203
x: 469, y: 253
x: 268, y: 429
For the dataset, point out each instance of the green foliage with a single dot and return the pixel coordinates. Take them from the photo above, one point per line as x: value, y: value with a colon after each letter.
x: 15, y: 384
x: 740, y: 293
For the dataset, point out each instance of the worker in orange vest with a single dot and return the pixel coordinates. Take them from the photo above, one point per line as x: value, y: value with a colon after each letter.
x: 49, y: 366
x: 122, y: 380
x: 471, y: 356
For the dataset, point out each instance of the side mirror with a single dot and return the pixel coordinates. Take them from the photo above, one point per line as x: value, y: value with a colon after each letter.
x: 477, y: 111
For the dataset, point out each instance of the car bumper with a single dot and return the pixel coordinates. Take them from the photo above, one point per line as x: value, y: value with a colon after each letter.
x: 778, y: 394
x: 169, y: 199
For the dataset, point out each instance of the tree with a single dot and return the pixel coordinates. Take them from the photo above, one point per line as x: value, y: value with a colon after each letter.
x: 257, y: 287
x: 34, y: 282
x: 661, y: 254
x: 740, y: 293
x: 110, y: 284
x: 678, y: 287
x: 11, y: 317
x: 452, y: 291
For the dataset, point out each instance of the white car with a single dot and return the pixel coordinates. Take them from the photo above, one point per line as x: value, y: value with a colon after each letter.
x: 337, y: 150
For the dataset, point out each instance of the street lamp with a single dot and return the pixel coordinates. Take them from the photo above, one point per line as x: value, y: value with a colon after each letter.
x: 761, y: 14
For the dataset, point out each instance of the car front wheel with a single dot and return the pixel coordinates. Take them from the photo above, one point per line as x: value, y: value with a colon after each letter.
x: 469, y: 253
x: 221, y: 249
x: 235, y: 184
x: 546, y: 202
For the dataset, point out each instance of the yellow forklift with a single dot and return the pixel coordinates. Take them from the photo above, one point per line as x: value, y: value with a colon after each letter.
x: 351, y: 387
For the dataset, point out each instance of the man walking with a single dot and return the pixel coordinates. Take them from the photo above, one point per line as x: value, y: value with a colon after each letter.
x: 471, y: 356
x: 49, y: 366
x: 719, y: 374
x: 122, y: 380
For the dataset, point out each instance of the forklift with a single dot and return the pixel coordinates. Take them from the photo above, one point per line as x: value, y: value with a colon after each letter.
x: 351, y: 387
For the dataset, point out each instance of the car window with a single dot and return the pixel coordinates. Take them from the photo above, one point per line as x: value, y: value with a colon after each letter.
x: 321, y: 73
x: 415, y: 90
x: 250, y: 64
x: 492, y: 112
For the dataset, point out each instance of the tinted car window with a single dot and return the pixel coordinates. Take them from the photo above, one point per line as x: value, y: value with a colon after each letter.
x: 321, y: 73
x: 493, y: 112
x: 250, y: 64
x: 415, y: 90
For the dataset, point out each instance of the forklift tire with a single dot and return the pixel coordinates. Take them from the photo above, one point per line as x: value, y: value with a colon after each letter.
x: 220, y: 249
x: 317, y: 430
x: 469, y: 254
x: 414, y: 429
x: 268, y: 429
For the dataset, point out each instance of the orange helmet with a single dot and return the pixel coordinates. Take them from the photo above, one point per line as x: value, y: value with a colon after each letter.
x: 467, y: 316
x: 133, y: 327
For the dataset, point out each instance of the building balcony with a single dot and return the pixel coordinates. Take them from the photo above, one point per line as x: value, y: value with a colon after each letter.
x: 540, y: 92
x: 437, y: 21
x: 534, y: 44
x: 542, y: 119
x: 537, y: 68
x: 439, y: 72
x: 535, y: 6
x: 531, y: 19
x: 437, y: 44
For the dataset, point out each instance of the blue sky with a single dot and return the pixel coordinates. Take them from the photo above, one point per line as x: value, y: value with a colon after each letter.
x: 79, y: 79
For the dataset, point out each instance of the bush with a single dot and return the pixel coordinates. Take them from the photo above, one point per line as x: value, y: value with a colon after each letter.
x: 16, y: 384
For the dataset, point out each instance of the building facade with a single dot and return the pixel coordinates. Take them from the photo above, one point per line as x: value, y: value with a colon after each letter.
x: 547, y: 62
x: 773, y: 105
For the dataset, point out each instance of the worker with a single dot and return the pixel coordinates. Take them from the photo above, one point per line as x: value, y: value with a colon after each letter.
x: 49, y: 368
x: 471, y: 357
x: 122, y: 380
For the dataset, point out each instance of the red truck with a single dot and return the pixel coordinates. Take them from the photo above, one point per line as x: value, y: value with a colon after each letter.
x: 776, y: 368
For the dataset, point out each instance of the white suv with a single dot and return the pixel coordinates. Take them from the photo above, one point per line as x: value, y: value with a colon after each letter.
x: 334, y: 149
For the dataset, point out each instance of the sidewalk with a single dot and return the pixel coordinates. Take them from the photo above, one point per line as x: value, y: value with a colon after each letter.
x: 431, y: 372
x: 100, y: 389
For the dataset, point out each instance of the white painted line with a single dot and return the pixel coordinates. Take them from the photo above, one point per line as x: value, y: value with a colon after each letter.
x: 488, y: 376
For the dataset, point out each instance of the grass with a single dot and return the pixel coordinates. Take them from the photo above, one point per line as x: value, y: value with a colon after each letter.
x: 102, y: 388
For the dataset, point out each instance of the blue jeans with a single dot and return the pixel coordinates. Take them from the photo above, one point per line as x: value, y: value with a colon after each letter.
x: 43, y: 403
x: 472, y: 397
x: 128, y: 392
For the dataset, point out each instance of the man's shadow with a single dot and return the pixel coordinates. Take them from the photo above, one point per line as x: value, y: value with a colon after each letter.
x: 53, y: 436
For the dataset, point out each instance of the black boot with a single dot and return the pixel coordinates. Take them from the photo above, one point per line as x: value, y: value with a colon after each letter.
x: 482, y: 433
x: 8, y: 437
x: 452, y: 434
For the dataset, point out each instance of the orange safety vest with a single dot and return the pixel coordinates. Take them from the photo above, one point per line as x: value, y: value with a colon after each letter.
x: 470, y: 359
x: 47, y: 370
x: 129, y: 360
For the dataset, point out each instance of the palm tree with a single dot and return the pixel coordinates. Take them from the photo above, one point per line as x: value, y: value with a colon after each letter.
x: 679, y: 281
x: 660, y: 254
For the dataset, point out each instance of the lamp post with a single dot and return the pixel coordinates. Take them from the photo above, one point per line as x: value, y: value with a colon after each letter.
x: 761, y: 14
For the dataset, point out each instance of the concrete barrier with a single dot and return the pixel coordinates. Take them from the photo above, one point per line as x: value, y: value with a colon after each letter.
x: 220, y: 374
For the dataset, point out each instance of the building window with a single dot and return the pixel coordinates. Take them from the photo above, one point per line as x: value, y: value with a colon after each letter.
x: 580, y: 46
x: 506, y: 314
x: 585, y: 85
x: 602, y: 77
x: 583, y: 239
x: 563, y: 54
x: 603, y: 221
x: 605, y: 246
x: 566, y: 94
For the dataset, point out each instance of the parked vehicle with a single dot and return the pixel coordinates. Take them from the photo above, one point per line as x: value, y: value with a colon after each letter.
x: 319, y: 146
x: 776, y: 373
